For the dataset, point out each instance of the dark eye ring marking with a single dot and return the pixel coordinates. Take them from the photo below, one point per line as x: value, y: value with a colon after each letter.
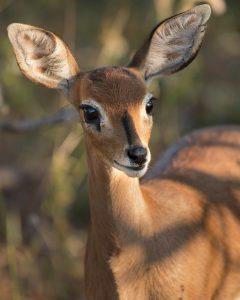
x: 91, y: 115
x: 149, y: 105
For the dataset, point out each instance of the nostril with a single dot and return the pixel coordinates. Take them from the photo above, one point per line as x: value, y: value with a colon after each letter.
x: 137, y: 154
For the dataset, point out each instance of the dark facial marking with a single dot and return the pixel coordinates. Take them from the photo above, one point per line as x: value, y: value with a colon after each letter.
x: 99, y: 75
x: 130, y: 130
x: 115, y: 86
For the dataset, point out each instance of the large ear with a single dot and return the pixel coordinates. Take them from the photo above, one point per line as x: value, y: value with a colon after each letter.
x: 42, y: 56
x: 173, y: 44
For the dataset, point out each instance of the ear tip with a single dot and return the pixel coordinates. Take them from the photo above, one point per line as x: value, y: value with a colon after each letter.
x: 12, y: 26
x: 205, y: 10
x: 12, y: 29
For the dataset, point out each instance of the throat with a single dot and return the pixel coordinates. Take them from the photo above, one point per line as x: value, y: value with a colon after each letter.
x: 117, y: 210
x: 116, y: 202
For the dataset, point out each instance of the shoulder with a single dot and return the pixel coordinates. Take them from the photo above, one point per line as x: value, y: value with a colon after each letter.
x: 198, y: 147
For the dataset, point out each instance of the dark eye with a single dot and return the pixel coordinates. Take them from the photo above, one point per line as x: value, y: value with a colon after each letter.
x: 149, y: 106
x: 91, y: 114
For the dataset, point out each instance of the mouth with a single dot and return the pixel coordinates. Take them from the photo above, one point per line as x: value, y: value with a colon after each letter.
x: 139, y: 168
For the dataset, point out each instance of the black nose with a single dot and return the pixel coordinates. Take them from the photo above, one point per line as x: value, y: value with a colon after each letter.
x: 137, y: 154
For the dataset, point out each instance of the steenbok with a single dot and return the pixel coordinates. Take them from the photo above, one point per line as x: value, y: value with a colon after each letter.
x: 175, y: 235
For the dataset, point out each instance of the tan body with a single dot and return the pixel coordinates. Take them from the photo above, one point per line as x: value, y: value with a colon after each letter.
x: 175, y: 236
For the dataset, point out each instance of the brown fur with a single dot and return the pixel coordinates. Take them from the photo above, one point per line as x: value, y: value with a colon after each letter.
x: 175, y: 235
x: 118, y: 90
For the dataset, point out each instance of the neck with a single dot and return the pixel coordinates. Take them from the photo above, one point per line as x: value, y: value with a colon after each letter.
x: 117, y: 209
x: 116, y: 203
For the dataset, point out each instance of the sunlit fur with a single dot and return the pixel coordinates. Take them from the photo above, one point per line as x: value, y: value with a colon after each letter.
x: 115, y: 91
x: 175, y: 234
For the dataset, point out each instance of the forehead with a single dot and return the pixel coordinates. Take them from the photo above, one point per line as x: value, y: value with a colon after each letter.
x: 113, y: 86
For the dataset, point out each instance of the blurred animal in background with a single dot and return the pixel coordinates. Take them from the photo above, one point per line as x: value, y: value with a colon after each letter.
x: 175, y: 234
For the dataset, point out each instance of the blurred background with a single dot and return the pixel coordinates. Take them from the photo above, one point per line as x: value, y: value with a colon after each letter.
x: 43, y: 174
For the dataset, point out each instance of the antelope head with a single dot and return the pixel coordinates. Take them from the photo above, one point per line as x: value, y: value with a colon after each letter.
x: 114, y: 105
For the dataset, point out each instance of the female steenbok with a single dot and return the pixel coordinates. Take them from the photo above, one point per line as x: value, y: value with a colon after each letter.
x: 177, y: 234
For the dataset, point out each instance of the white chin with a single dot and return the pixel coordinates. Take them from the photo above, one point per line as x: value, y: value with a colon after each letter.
x: 131, y: 172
